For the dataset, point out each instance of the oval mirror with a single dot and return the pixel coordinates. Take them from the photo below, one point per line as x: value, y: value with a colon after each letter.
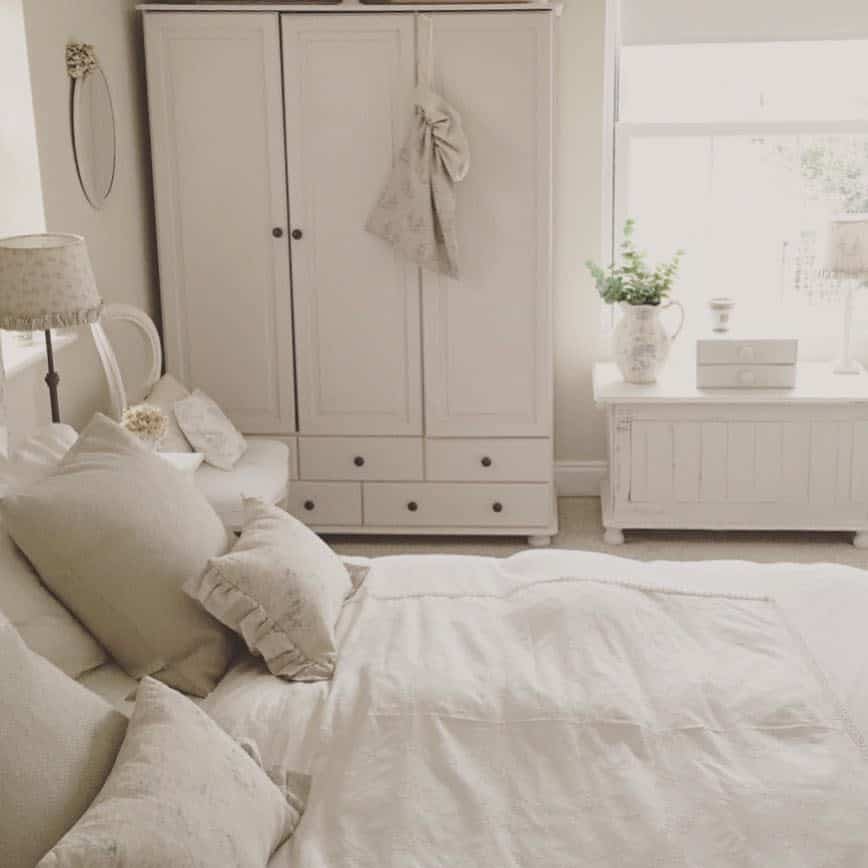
x: 93, y: 135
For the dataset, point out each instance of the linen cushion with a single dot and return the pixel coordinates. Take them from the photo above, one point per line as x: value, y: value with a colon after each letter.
x: 262, y: 471
x: 58, y: 742
x: 114, y: 533
x: 208, y: 428
x: 281, y: 588
x: 182, y: 793
x: 167, y: 390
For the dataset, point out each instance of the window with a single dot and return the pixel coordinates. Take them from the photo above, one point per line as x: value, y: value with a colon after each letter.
x: 22, y: 349
x: 740, y: 152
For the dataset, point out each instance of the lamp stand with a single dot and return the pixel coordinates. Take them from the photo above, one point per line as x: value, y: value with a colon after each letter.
x: 52, y: 379
x: 846, y: 364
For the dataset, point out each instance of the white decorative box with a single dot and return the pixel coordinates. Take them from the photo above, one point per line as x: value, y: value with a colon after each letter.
x: 754, y: 363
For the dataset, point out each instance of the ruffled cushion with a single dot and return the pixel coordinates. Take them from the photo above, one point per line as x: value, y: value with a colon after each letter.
x: 281, y: 588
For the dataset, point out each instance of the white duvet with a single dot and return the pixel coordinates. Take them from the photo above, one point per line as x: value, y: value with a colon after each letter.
x: 481, y: 716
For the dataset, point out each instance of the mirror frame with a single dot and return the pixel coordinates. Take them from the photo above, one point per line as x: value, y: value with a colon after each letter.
x: 77, y: 128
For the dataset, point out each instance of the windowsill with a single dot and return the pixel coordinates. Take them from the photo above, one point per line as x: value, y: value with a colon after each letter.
x: 18, y: 358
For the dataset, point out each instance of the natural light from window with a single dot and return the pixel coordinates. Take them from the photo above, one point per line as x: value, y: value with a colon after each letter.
x: 740, y: 154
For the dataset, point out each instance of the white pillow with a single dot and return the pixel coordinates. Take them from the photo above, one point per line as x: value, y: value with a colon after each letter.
x: 166, y: 391
x: 115, y: 532
x: 43, y: 623
x: 186, y: 462
x: 36, y: 457
x: 208, y: 428
x: 182, y: 793
x: 58, y: 742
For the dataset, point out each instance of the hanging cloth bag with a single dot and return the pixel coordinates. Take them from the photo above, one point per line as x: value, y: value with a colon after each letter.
x: 416, y: 211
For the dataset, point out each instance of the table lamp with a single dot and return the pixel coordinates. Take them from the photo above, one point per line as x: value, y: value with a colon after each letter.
x: 847, y: 258
x: 46, y: 282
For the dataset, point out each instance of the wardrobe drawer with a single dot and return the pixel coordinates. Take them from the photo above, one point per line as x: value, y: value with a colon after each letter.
x: 337, y: 504
x: 443, y: 504
x: 386, y: 458
x: 488, y: 460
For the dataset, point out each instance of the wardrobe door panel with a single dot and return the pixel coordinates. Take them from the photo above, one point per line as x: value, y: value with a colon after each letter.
x: 488, y: 348
x: 220, y: 186
x: 348, y: 90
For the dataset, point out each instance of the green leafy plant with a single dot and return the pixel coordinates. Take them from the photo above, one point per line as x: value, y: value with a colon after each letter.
x: 632, y: 280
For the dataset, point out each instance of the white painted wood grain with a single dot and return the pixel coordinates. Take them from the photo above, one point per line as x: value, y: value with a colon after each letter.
x: 361, y: 458
x: 348, y: 83
x: 488, y: 344
x: 714, y: 462
x: 216, y: 115
x: 688, y: 461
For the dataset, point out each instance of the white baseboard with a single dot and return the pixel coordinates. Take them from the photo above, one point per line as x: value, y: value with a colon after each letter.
x: 579, y: 478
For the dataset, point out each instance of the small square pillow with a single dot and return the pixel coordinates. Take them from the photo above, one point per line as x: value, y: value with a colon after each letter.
x: 167, y: 390
x: 207, y: 427
x: 281, y: 588
x: 58, y: 742
x: 182, y: 793
x: 114, y: 533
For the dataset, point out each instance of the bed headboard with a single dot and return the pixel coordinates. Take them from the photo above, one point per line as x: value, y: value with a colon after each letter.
x: 116, y: 386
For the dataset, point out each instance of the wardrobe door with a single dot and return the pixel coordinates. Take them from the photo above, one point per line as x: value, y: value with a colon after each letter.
x: 488, y: 345
x: 216, y: 111
x: 348, y: 82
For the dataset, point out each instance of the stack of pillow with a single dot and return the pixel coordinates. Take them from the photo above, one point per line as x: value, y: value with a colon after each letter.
x: 132, y: 548
x: 196, y: 422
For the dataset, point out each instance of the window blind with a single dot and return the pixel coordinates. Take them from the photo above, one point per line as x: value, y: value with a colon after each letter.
x: 662, y: 22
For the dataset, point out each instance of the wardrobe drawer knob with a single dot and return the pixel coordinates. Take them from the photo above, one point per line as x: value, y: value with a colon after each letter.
x: 359, y: 461
x: 309, y: 505
x: 497, y: 507
x: 486, y: 462
x: 277, y: 232
x: 413, y: 506
x: 297, y: 234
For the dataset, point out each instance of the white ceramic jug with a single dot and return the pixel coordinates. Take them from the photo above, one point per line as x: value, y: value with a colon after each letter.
x: 640, y: 341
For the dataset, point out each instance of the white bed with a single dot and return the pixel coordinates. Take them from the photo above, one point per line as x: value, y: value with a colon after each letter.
x: 441, y: 741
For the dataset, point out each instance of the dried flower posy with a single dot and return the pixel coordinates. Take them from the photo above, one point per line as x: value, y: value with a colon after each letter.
x: 146, y: 421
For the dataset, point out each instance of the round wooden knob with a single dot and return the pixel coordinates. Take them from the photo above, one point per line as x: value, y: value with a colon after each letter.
x: 497, y: 507
x: 486, y: 462
x: 359, y: 461
x: 297, y: 234
x: 309, y: 505
x: 413, y: 506
x: 277, y: 232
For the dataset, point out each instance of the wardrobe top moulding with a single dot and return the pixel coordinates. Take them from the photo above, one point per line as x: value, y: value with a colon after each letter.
x: 354, y: 6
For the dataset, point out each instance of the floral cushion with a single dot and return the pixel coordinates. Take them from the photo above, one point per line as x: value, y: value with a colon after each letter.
x: 281, y: 588
x: 209, y: 430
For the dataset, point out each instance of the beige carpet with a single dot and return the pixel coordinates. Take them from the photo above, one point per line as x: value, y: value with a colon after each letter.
x: 581, y: 529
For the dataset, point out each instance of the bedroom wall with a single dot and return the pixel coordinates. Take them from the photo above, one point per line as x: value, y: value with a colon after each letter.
x: 579, y: 427
x: 121, y: 236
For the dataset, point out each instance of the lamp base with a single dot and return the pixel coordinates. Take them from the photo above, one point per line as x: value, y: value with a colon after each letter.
x: 847, y: 366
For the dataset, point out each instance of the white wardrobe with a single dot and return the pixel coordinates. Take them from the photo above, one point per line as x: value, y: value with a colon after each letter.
x: 414, y: 403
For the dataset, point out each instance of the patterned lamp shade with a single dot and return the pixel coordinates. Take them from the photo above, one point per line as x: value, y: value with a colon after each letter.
x: 46, y: 282
x: 847, y: 246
